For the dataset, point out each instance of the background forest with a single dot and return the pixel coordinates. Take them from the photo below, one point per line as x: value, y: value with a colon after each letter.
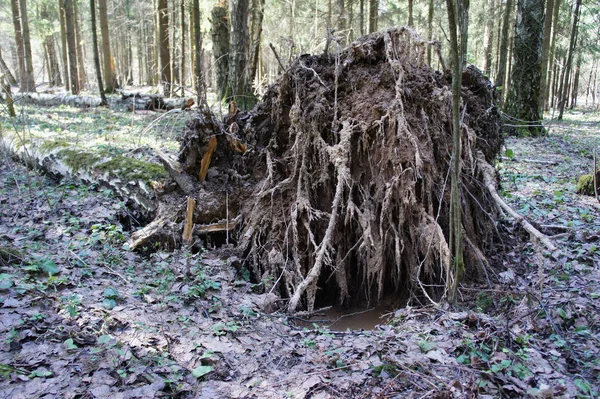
x: 137, y: 39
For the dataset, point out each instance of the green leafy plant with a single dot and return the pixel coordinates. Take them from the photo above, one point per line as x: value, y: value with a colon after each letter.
x: 224, y: 328
x: 111, y: 296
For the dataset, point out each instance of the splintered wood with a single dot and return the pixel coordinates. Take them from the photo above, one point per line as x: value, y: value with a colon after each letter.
x: 205, y: 163
x: 188, y: 227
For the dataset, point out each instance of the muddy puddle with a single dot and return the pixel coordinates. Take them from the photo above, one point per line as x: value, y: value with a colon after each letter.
x: 340, y: 319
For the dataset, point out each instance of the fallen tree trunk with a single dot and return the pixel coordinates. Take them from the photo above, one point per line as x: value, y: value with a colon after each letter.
x: 126, y: 102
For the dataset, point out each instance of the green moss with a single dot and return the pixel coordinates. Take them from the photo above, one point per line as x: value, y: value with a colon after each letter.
x: 585, y: 185
x: 133, y: 169
x: 79, y: 159
x: 51, y: 145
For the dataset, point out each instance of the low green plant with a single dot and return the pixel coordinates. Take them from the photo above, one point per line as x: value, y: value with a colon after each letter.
x: 223, y: 328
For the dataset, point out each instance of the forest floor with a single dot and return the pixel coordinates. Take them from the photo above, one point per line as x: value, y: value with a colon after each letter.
x: 82, y: 317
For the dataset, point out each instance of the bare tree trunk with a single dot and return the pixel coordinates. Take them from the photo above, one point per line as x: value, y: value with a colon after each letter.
x: 501, y: 74
x: 564, y: 93
x: 72, y: 47
x: 373, y: 14
x: 455, y: 243
x: 488, y: 39
x: 238, y: 54
x: 546, y: 50
x: 256, y: 26
x: 342, y: 19
x: 53, y: 66
x: 64, y: 45
x: 362, y: 17
x: 183, y: 46
x: 7, y: 73
x: 524, y: 94
x: 164, y: 47
x: 16, y: 17
x: 551, y: 54
x: 429, y: 30
x: 28, y: 81
x: 576, y: 82
x: 96, y: 52
x: 198, y: 78
x: 411, y: 21
x: 79, y: 48
x: 220, y: 39
x: 110, y: 78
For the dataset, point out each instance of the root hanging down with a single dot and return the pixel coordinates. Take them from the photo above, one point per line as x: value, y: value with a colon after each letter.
x: 352, y: 204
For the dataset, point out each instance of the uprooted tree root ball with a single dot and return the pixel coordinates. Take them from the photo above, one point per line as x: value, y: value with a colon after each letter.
x: 350, y: 155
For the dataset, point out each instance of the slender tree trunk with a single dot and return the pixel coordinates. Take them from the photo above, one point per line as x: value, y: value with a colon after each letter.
x: 198, y: 78
x: 9, y: 98
x: 79, y: 47
x: 64, y: 45
x: 429, y: 30
x: 546, y: 49
x: 110, y: 78
x: 411, y: 21
x: 342, y: 18
x: 524, y: 95
x: 16, y: 17
x: 576, y: 82
x: 96, y: 52
x: 53, y: 66
x: 72, y: 47
x: 220, y: 39
x: 362, y: 17
x: 501, y: 74
x: 164, y: 48
x: 183, y: 46
x: 488, y: 41
x: 564, y: 93
x: 373, y: 15
x: 6, y: 71
x: 28, y: 83
x: 455, y: 211
x: 175, y: 58
x: 256, y: 26
x: 551, y: 55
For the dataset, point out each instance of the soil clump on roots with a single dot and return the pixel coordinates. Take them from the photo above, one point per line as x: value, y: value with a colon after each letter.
x: 343, y: 182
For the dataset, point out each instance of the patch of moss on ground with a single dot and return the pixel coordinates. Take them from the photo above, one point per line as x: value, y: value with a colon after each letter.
x: 79, y: 159
x: 133, y: 169
x: 49, y: 146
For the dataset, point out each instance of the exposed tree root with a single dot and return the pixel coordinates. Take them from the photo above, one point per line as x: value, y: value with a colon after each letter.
x: 489, y: 179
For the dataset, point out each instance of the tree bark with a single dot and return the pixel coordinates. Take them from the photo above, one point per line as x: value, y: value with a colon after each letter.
x: 183, y: 46
x: 256, y: 27
x: 238, y: 55
x: 110, y: 78
x: 362, y: 17
x: 164, y: 48
x: 455, y: 243
x: 198, y: 76
x: 28, y: 81
x: 524, y: 95
x: 72, y: 47
x: 546, y: 50
x: 411, y: 21
x: 488, y: 41
x: 96, y: 52
x: 501, y: 74
x: 220, y: 39
x: 551, y: 55
x: 78, y: 46
x: 373, y: 14
x: 576, y: 82
x: 564, y: 94
x: 16, y: 17
x: 53, y: 66
x: 7, y: 73
x: 429, y: 30
x: 63, y: 42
